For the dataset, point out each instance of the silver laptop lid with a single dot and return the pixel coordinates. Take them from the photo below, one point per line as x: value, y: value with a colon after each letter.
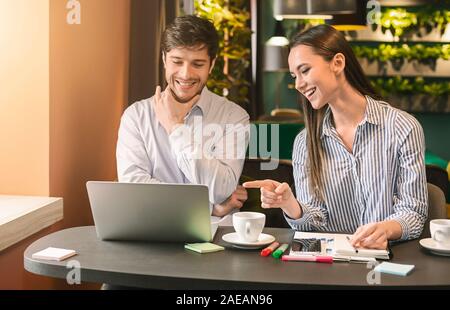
x: 150, y: 212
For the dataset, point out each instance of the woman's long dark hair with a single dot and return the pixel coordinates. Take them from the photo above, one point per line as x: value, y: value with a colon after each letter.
x: 327, y: 42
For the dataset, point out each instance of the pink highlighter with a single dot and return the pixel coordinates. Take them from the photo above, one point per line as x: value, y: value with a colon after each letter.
x: 308, y: 258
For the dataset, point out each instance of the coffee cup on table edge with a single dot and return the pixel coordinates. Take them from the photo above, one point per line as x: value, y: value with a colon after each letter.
x: 249, y: 225
x: 440, y: 232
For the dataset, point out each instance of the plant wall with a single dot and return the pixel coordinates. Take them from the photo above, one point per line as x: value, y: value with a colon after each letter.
x: 404, y: 23
x: 413, y: 71
x: 229, y: 76
x: 398, y: 55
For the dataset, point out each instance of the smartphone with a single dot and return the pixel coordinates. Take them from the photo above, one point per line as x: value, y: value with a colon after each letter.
x: 306, y: 246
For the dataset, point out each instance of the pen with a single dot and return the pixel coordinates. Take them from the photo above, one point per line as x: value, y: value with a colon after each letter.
x: 308, y: 258
x: 349, y: 241
x: 267, y: 251
x: 280, y: 250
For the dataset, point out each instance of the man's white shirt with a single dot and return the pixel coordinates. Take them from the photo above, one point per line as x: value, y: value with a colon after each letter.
x: 209, y: 149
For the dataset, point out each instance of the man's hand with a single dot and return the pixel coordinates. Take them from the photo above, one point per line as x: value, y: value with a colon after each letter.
x: 169, y: 112
x: 235, y: 201
x: 376, y: 235
x: 277, y: 195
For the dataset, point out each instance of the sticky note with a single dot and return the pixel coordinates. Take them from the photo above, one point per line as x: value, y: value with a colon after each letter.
x: 204, y: 247
x: 396, y: 269
x: 54, y: 254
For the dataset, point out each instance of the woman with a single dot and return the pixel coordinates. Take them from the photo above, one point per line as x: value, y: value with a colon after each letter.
x: 359, y: 163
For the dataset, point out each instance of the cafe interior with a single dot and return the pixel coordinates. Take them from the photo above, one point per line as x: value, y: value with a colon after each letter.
x: 69, y: 69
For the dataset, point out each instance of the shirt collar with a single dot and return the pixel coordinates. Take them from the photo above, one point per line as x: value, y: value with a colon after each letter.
x: 204, y: 102
x: 372, y: 116
x: 327, y: 126
x: 373, y: 111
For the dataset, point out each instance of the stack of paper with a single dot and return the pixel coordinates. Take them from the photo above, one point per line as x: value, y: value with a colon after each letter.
x: 342, y: 246
x: 54, y: 254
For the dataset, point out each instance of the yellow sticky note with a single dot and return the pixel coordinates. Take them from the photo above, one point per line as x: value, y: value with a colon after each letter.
x: 205, y: 247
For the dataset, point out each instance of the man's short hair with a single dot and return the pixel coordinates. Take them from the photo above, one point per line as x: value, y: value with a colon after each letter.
x: 190, y: 31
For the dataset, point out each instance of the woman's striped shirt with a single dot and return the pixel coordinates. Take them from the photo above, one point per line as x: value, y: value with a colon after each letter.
x: 382, y: 179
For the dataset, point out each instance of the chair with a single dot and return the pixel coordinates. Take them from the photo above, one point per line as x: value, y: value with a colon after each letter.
x: 252, y: 171
x: 439, y: 177
x: 280, y: 119
x: 436, y: 207
x: 294, y: 113
x: 283, y: 116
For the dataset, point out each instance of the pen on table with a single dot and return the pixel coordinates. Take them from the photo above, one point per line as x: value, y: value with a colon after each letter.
x: 280, y: 250
x: 349, y: 241
x: 267, y: 251
x: 308, y: 258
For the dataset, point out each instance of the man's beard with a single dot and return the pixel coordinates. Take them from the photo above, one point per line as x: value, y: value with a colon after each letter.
x: 178, y: 99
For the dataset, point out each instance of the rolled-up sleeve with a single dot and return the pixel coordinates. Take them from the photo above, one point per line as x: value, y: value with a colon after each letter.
x: 314, y: 212
x: 410, y: 193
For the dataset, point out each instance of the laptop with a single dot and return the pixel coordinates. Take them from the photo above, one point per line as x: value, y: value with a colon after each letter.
x: 151, y: 212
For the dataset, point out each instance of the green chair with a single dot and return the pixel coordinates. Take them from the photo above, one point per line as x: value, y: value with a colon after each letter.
x: 436, y: 207
x: 439, y: 177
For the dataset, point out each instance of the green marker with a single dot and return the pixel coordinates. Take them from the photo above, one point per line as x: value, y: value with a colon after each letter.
x: 280, y: 250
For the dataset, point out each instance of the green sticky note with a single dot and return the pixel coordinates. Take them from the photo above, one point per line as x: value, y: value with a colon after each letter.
x: 205, y: 247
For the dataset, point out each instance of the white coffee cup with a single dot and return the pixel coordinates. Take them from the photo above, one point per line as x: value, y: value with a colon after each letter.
x: 249, y: 225
x: 440, y: 232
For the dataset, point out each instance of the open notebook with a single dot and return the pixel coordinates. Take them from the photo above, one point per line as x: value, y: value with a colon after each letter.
x: 338, y: 246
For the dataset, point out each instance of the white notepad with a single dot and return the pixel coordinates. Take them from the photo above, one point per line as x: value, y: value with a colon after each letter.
x: 341, y: 247
x: 54, y: 254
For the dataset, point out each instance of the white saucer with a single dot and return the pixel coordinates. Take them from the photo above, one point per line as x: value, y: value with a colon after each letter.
x: 434, y: 247
x: 264, y: 239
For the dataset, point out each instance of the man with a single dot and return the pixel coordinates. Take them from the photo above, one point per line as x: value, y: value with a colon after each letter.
x: 167, y: 138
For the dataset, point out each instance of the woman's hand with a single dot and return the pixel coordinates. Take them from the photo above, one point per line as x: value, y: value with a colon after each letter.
x: 376, y: 235
x: 276, y: 195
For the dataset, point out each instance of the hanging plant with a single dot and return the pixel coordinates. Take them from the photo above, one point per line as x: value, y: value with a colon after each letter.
x: 398, y: 21
x: 231, y: 19
x: 409, y: 86
x: 402, y: 23
x: 399, y: 54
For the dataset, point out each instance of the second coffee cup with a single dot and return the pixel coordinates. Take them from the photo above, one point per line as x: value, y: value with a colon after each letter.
x: 249, y: 225
x: 440, y: 232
